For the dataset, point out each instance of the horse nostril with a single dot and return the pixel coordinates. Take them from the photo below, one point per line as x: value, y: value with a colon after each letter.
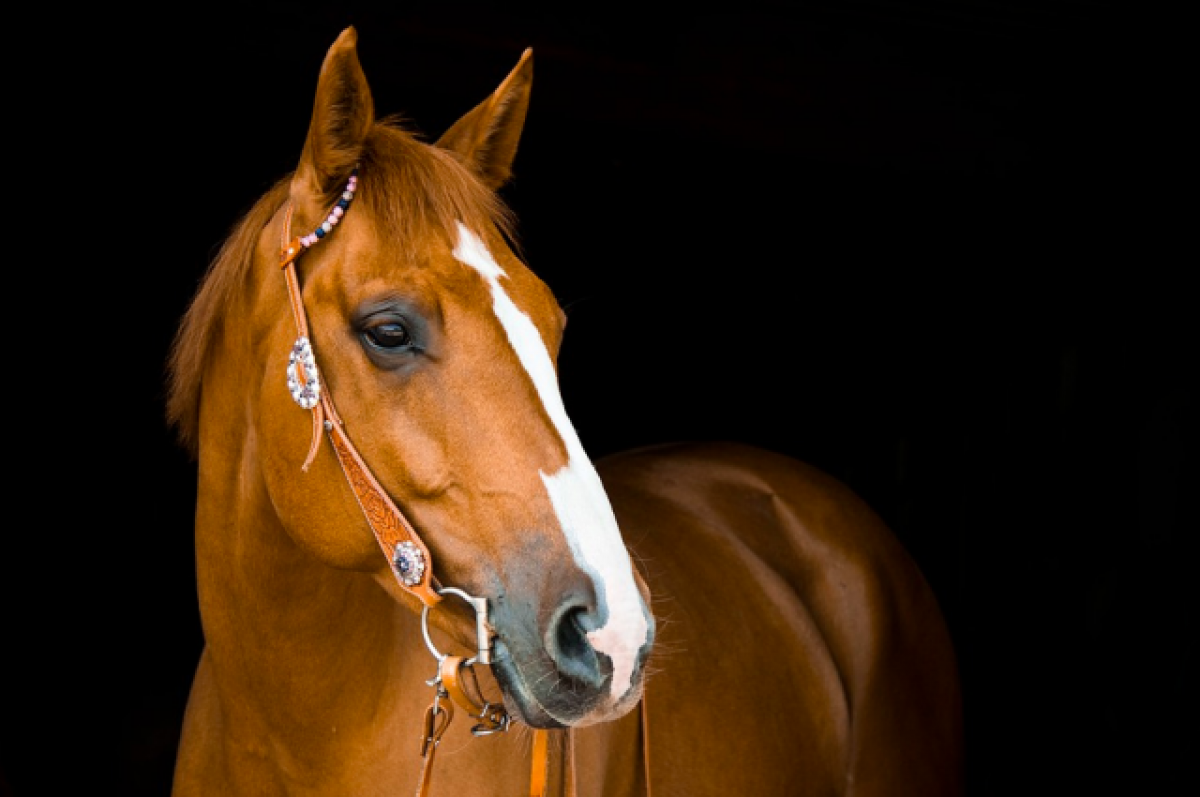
x: 572, y: 639
x: 571, y: 650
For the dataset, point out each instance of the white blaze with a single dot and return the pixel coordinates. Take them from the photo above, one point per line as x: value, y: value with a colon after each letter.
x: 575, y: 490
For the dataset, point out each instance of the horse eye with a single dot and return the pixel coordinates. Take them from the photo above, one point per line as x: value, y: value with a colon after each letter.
x: 388, y: 336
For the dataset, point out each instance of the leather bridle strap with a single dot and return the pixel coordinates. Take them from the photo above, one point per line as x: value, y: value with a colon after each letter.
x: 403, y: 547
x: 437, y: 720
x: 457, y: 677
x: 644, y: 710
x: 540, y: 766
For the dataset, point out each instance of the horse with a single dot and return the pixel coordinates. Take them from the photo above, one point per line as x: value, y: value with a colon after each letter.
x: 396, y: 524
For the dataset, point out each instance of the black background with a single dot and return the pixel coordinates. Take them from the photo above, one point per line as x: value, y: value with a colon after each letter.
x: 924, y: 246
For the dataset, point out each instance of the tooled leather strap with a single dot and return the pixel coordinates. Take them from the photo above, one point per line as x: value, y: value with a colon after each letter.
x: 390, y: 526
x: 388, y: 523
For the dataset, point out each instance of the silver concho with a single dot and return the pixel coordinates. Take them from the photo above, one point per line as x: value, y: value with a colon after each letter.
x: 302, y: 377
x: 409, y: 563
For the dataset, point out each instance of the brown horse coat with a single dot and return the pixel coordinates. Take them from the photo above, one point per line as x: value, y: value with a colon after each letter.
x: 797, y: 649
x: 800, y: 649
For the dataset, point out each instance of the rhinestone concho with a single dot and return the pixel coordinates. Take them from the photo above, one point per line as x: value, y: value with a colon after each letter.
x: 302, y: 377
x: 409, y: 563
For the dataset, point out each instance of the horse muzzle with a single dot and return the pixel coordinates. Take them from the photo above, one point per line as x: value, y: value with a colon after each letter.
x: 552, y: 674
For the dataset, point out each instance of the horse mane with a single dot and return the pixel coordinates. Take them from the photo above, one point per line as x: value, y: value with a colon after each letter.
x: 409, y: 188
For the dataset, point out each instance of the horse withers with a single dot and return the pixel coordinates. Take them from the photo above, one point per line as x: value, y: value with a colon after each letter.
x: 388, y: 478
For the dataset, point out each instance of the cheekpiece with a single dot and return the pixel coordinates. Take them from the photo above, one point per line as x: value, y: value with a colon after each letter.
x: 409, y: 562
x: 302, y: 378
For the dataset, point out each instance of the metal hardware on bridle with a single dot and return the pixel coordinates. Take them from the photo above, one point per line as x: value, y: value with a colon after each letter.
x: 432, y: 727
x: 483, y: 637
x: 492, y: 718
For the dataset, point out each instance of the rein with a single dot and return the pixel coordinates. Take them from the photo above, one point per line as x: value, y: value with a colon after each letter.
x: 455, y: 681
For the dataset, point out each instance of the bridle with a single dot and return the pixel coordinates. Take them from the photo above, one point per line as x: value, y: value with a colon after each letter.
x: 399, y: 541
x: 410, y: 562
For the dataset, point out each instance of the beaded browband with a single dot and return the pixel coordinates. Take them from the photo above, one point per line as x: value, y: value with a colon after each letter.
x: 407, y: 553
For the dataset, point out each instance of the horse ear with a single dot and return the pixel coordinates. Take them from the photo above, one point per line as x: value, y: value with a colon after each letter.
x: 343, y: 113
x: 486, y: 138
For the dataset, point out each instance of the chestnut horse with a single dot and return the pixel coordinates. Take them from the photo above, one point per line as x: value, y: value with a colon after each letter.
x: 397, y: 525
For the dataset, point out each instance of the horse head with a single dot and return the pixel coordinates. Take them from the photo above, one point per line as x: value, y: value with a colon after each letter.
x: 438, y: 346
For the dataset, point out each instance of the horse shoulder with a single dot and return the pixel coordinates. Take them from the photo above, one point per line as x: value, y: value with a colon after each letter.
x: 849, y: 646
